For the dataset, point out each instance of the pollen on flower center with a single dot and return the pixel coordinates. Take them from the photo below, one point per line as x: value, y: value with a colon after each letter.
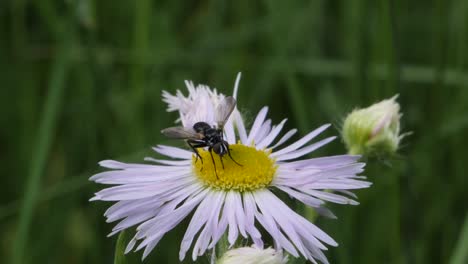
x: 256, y: 171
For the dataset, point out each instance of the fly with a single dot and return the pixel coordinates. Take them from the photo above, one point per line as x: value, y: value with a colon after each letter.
x: 203, y: 135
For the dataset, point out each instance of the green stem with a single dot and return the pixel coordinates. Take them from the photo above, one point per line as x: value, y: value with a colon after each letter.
x: 222, y: 246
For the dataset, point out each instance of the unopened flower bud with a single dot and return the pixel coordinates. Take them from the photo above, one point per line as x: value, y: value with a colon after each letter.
x: 375, y: 130
x: 253, y: 255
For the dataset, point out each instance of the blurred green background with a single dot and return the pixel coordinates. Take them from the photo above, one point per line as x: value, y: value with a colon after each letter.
x: 81, y: 81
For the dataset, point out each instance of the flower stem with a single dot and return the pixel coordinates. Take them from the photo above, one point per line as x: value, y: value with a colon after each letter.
x: 222, y: 246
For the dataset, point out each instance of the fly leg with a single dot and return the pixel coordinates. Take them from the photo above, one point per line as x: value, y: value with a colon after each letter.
x: 221, y: 159
x: 229, y: 153
x: 210, y: 149
x: 194, y: 144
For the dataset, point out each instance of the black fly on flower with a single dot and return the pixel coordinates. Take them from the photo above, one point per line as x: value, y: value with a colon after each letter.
x: 203, y: 135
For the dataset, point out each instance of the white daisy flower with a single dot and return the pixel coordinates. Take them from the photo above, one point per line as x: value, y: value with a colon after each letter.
x: 237, y: 199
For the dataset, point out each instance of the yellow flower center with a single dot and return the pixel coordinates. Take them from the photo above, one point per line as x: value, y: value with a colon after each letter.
x: 256, y: 169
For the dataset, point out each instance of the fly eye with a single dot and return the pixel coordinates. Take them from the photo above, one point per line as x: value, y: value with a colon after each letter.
x: 218, y: 148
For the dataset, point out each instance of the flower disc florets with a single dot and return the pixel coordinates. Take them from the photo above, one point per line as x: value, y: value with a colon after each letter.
x: 256, y: 169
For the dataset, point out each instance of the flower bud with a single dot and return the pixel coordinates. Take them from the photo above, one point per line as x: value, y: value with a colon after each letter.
x: 253, y: 255
x: 375, y: 130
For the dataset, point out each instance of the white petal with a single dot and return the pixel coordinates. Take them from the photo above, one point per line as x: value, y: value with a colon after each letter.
x: 201, y: 216
x: 170, y: 162
x: 132, y: 176
x: 113, y: 164
x: 338, y: 184
x: 140, y: 190
x: 239, y: 124
x: 265, y: 142
x: 124, y: 209
x: 301, y: 142
x: 308, y: 230
x: 313, y: 174
x: 331, y: 197
x: 279, y: 239
x: 250, y: 208
x: 236, y: 85
x: 304, y: 151
x: 256, y: 125
x: 162, y: 223
x: 270, y: 226
x: 213, y: 222
x: 130, y: 245
x: 283, y: 139
x: 219, y: 229
x: 322, y: 162
x: 263, y: 131
x: 229, y: 131
x: 345, y: 192
x: 173, y: 152
x: 134, y: 219
x: 150, y: 247
x: 210, y: 228
x: 239, y: 211
x: 202, y: 243
x: 269, y: 206
x: 304, y: 198
x: 230, y: 211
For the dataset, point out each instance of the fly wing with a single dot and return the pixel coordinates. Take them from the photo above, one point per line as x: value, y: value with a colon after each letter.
x: 224, y: 110
x: 181, y: 133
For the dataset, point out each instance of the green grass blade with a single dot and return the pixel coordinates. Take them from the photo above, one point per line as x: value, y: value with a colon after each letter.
x: 122, y: 241
x: 460, y: 254
x: 40, y: 151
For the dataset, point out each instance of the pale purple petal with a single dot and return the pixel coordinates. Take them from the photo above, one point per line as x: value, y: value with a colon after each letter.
x: 239, y: 125
x: 301, y: 142
x: 141, y: 190
x: 256, y: 125
x: 322, y: 162
x: 250, y: 208
x: 263, y: 131
x: 304, y: 151
x: 230, y: 211
x: 304, y: 198
x: 268, y: 206
x: 284, y: 138
x: 331, y: 197
x: 199, y: 218
x: 239, y: 212
x: 113, y: 164
x: 266, y: 141
x: 229, y: 131
x: 305, y: 236
x: 220, y: 228
x: 124, y: 209
x: 133, y: 176
x: 170, y: 162
x: 236, y: 85
x: 202, y: 216
x: 155, y: 228
x: 279, y: 239
x: 173, y: 152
